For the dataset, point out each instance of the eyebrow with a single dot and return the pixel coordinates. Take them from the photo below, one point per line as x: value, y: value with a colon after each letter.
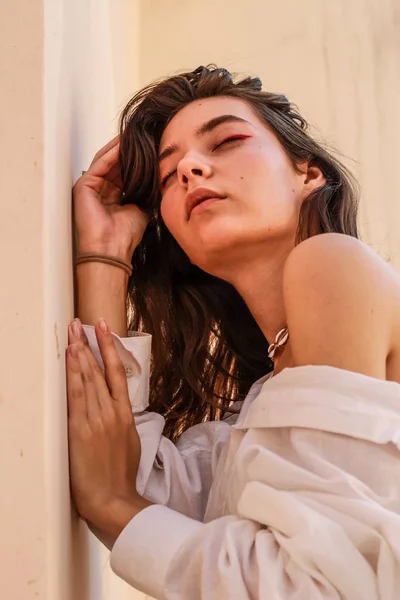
x: 205, y: 128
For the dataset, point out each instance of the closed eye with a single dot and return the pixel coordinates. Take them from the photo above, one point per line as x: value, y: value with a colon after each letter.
x: 233, y: 138
x: 166, y: 177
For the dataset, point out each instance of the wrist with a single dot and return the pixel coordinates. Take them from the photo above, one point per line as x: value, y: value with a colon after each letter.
x: 92, y: 272
x: 111, y: 250
x: 120, y: 513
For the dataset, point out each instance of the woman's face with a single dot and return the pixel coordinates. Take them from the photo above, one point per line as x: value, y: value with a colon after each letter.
x: 228, y: 187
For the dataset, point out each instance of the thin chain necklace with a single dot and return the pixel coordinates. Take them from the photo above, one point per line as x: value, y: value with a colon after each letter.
x: 281, y: 338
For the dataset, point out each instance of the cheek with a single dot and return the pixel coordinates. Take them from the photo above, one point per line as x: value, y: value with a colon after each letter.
x: 165, y: 211
x: 266, y: 184
x: 250, y: 168
x: 268, y: 169
x: 170, y: 215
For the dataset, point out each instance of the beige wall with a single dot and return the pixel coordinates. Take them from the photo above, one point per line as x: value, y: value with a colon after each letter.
x: 22, y: 365
x: 339, y: 60
x: 65, y: 68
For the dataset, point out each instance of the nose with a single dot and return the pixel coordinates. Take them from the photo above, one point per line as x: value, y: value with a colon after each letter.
x: 193, y: 168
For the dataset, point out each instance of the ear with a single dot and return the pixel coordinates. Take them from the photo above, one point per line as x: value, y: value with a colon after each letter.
x: 313, y: 178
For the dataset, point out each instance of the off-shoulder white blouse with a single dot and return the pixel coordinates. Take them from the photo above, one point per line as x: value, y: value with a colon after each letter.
x: 298, y: 498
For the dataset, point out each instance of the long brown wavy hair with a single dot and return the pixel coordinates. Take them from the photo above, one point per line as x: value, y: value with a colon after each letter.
x: 207, y: 349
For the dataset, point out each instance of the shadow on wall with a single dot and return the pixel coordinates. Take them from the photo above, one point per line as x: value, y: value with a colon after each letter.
x: 80, y: 559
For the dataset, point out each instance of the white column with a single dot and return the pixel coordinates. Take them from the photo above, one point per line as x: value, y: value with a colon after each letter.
x: 66, y: 68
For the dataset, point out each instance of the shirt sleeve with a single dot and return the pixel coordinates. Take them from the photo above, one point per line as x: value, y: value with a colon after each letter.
x: 176, y: 475
x: 313, y: 498
x: 201, y: 561
x: 279, y: 545
x: 232, y: 557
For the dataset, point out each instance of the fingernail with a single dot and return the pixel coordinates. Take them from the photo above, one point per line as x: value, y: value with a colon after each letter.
x: 76, y: 328
x: 103, y: 326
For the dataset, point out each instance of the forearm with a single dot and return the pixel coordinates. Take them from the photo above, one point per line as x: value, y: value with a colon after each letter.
x: 101, y: 293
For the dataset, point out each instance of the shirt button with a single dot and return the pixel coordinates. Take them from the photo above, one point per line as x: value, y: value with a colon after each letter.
x: 128, y: 371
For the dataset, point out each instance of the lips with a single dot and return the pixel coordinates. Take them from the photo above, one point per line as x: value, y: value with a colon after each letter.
x: 199, y: 195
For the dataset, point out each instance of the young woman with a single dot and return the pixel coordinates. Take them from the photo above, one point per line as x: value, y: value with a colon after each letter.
x: 268, y: 463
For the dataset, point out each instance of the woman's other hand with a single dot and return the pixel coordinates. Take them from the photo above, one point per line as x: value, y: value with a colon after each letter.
x: 104, y: 446
x: 102, y: 223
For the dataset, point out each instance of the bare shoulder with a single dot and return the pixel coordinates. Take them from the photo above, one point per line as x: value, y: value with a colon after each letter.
x: 342, y: 304
x: 343, y: 253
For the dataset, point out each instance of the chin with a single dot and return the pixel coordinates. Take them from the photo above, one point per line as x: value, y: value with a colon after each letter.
x: 214, y: 252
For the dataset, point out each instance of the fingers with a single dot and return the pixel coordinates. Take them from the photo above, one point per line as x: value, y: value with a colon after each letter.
x: 115, y: 384
x: 104, y: 174
x: 103, y: 165
x: 114, y: 176
x: 105, y: 149
x: 114, y: 369
x: 90, y: 367
x: 77, y: 410
x: 105, y: 162
x: 92, y: 384
x: 89, y: 381
x: 76, y: 333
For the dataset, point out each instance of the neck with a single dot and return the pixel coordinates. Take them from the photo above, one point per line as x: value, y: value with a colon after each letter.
x: 259, y: 282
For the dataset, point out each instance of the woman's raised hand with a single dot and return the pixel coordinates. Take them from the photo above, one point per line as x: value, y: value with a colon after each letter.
x: 102, y: 223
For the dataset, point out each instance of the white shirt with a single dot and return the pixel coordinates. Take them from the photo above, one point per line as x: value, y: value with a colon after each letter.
x: 297, y: 500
